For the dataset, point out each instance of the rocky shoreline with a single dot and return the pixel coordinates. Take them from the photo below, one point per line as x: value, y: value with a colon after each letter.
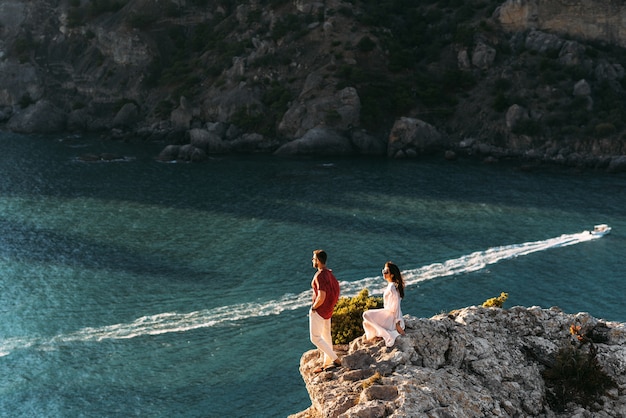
x: 473, y: 362
x: 539, y: 82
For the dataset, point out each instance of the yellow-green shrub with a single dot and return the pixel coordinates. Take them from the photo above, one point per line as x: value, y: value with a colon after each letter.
x: 496, y: 302
x: 347, y: 322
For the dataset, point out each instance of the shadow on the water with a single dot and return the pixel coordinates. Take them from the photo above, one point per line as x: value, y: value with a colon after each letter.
x: 309, y: 190
x: 49, y: 247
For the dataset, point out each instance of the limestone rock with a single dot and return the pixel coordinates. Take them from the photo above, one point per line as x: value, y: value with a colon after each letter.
x: 218, y: 128
x: 319, y: 104
x: 307, y: 6
x: 190, y: 153
x: 591, y: 20
x: 543, y: 42
x: 42, y: 117
x: 410, y: 137
x: 169, y: 153
x: 252, y: 143
x: 617, y: 164
x: 222, y: 105
x: 127, y: 116
x: 207, y: 141
x: 185, y: 153
x: 5, y: 113
x: 318, y: 141
x: 367, y: 144
x: 582, y: 88
x: 124, y: 47
x: 12, y: 13
x: 514, y: 115
x: 516, y: 14
x: 18, y: 81
x: 572, y: 54
x: 79, y: 120
x: 181, y: 116
x: 462, y: 59
x: 607, y: 71
x: 473, y: 362
x: 483, y: 56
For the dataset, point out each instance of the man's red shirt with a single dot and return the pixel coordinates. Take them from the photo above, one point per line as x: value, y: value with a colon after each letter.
x: 325, y: 280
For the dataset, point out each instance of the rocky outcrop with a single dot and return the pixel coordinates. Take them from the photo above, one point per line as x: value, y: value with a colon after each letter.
x: 528, y: 81
x: 473, y: 362
x: 410, y: 137
x: 599, y: 20
x: 318, y: 141
x: 340, y: 108
x: 41, y: 117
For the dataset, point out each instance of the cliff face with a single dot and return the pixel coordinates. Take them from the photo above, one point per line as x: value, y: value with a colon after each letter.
x: 479, y: 362
x: 598, y: 20
x: 539, y: 80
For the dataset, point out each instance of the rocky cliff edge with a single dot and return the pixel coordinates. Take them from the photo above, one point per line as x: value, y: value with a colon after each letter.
x: 478, y: 362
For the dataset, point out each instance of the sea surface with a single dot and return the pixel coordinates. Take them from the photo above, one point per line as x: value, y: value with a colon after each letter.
x: 134, y: 288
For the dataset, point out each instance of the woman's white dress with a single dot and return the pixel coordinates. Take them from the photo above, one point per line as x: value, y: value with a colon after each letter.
x: 382, y: 322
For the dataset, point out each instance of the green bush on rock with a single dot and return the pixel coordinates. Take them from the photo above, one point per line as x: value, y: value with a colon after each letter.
x: 575, y: 375
x: 347, y: 322
x: 496, y: 302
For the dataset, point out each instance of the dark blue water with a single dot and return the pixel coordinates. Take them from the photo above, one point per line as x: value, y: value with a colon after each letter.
x: 137, y: 288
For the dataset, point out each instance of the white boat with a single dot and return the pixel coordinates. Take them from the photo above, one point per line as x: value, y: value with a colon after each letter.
x: 601, y: 229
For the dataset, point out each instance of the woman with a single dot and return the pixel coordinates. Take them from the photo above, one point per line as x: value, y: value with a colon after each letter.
x: 387, y: 323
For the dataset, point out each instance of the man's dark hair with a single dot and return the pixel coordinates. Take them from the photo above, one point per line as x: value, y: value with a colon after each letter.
x: 321, y: 255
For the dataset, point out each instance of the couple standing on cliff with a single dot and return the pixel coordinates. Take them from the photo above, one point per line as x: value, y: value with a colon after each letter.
x: 385, y: 323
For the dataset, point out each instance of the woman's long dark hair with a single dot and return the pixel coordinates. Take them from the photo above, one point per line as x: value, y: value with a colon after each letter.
x: 396, y: 277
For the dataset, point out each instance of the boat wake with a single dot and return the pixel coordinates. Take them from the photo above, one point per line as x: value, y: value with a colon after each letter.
x: 180, y: 322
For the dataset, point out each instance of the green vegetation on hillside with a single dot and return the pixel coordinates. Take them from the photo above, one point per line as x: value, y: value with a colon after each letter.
x: 404, y: 58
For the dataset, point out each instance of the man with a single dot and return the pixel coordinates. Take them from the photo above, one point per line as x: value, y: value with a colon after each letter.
x: 325, y: 295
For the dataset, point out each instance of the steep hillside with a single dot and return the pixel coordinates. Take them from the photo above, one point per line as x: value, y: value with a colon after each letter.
x: 539, y: 80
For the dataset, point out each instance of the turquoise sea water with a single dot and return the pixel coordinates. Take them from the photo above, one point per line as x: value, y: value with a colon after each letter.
x: 137, y: 288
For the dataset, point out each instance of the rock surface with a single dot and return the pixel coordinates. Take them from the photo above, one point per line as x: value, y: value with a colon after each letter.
x: 596, y: 19
x: 473, y: 362
x: 324, y: 77
x: 411, y: 137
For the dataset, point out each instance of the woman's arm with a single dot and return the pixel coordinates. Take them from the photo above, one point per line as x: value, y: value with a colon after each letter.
x: 392, y: 301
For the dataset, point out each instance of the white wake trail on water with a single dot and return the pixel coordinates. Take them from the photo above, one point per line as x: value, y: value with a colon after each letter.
x: 180, y: 322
